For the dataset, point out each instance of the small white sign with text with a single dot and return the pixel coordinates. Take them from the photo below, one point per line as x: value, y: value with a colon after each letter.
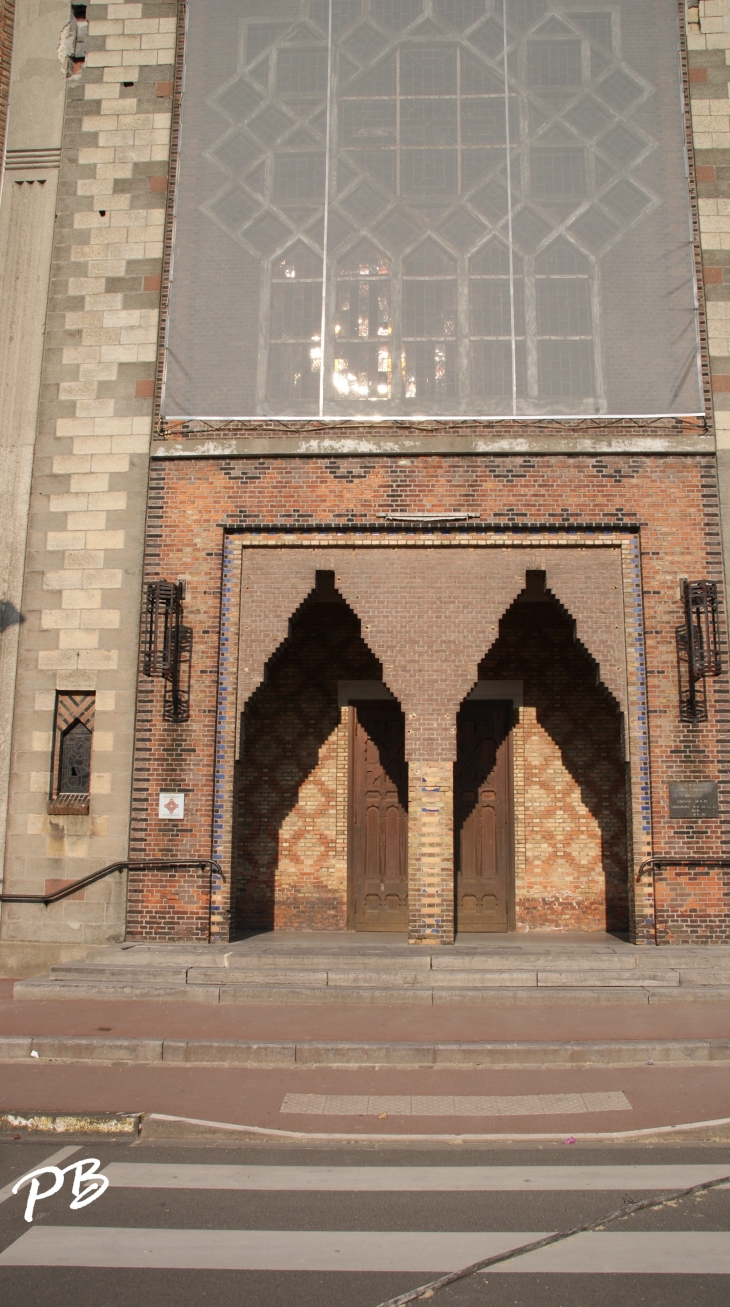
x: 172, y: 805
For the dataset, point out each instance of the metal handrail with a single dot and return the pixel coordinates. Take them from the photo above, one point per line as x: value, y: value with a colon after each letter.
x: 680, y: 862
x: 76, y: 885
x: 659, y: 862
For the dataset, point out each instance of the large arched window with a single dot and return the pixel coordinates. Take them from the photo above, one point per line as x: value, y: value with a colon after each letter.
x: 429, y: 324
x: 295, y: 318
x: 372, y: 162
x: 564, y: 322
x: 363, y: 363
x: 497, y: 306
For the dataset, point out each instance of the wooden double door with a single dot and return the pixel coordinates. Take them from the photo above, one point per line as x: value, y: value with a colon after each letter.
x: 378, y: 834
x: 378, y: 825
x: 483, y: 821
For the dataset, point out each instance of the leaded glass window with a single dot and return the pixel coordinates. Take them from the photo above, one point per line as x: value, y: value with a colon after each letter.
x: 444, y: 207
x: 71, y: 762
x: 75, y: 763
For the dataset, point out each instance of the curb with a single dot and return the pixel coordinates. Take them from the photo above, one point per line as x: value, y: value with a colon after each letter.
x: 695, y: 1128
x: 72, y: 1123
x: 394, y: 1053
x: 159, y: 1125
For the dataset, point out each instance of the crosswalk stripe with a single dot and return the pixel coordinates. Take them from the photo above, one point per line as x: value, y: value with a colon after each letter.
x: 675, y: 1252
x: 432, y: 1252
x: 256, y: 1250
x: 7, y: 1191
x: 409, y: 1179
x: 453, y: 1104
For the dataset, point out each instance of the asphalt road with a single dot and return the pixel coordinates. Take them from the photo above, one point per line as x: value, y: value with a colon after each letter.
x: 201, y: 1222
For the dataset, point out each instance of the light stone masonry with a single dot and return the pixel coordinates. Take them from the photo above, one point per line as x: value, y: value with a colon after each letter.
x: 81, y: 602
x: 27, y: 210
x: 708, y: 42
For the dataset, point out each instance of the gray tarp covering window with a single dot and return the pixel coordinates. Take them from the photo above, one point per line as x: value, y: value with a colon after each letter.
x: 374, y: 217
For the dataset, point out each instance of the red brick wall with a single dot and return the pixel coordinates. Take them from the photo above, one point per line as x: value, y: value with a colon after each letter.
x: 671, y: 501
x: 168, y: 906
x: 692, y: 905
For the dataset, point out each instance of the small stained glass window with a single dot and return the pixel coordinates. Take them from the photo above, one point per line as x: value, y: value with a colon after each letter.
x: 72, y: 741
x: 75, y: 765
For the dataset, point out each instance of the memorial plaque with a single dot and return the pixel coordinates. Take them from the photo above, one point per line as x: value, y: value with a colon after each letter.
x: 693, y: 799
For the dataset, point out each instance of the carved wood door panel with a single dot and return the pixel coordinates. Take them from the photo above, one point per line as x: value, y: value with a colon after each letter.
x: 483, y: 824
x: 378, y: 828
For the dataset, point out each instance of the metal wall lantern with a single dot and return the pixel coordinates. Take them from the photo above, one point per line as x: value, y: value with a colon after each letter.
x: 168, y: 646
x: 698, y: 648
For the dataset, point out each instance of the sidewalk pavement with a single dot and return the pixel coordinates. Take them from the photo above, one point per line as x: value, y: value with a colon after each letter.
x: 124, y: 1018
x: 658, y: 1095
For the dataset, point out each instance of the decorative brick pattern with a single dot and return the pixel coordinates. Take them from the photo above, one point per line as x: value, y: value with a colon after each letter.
x: 615, y: 512
x: 575, y: 870
x: 430, y: 852
x: 397, y: 606
x: 656, y: 503
x: 286, y: 868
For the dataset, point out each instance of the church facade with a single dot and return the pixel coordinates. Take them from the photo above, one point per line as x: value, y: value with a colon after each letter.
x: 372, y: 467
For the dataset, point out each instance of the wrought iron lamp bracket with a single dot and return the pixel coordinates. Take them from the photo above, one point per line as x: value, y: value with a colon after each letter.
x: 168, y: 645
x: 698, y: 648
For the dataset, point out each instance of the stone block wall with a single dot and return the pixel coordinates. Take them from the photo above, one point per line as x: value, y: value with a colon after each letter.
x: 7, y: 23
x: 86, y: 527
x: 29, y: 165
x: 708, y: 53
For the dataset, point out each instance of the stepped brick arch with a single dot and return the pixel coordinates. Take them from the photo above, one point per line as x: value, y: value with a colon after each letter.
x: 576, y: 577
x: 430, y: 616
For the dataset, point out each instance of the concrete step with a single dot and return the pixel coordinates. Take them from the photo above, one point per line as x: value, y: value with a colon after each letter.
x: 349, y: 971
x: 46, y: 987
x: 43, y: 987
x: 365, y: 1053
x: 379, y: 977
x: 124, y: 975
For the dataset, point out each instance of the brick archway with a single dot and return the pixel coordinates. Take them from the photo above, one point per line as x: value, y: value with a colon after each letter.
x: 289, y: 863
x: 570, y: 775
x: 428, y: 614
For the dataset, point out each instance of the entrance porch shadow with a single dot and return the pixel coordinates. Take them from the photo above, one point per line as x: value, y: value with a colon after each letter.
x: 573, y: 820
x: 289, y: 857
